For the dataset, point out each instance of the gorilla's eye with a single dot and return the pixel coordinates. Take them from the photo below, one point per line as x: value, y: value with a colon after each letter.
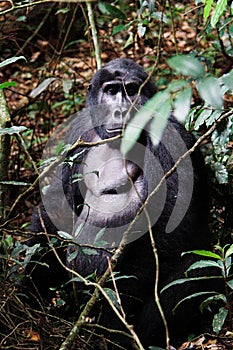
x: 132, y: 89
x: 112, y: 89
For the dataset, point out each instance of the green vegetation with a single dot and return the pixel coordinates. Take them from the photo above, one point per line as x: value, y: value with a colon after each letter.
x: 48, y: 56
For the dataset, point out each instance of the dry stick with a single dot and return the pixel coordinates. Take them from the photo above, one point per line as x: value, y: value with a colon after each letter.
x: 78, y: 143
x: 143, y: 207
x: 39, y: 2
x: 35, y: 32
x: 94, y: 34
x: 75, y: 330
x: 95, y: 296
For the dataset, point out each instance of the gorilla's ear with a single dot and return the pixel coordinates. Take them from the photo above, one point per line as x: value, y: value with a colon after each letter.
x: 89, y: 87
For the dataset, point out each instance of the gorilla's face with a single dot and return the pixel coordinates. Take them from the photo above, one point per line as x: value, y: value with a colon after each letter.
x: 115, y: 90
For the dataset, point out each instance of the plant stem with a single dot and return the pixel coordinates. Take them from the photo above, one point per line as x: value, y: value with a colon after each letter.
x: 94, y: 34
x: 4, y: 150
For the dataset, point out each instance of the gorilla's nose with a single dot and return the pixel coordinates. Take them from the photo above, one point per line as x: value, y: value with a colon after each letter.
x: 119, y: 115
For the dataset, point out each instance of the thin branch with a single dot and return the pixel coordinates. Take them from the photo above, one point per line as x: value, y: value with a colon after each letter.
x: 39, y: 2
x: 94, y: 34
x: 95, y: 296
x: 57, y: 161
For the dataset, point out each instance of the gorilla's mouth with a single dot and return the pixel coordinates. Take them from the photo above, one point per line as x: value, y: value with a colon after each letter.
x: 124, y: 188
x: 114, y: 129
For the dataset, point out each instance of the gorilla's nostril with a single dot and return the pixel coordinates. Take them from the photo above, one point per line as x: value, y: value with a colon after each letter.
x: 117, y: 114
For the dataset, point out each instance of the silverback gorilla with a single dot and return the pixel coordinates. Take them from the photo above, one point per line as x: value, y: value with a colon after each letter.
x: 96, y: 193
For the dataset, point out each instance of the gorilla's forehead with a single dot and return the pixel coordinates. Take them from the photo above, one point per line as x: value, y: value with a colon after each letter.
x: 107, y: 75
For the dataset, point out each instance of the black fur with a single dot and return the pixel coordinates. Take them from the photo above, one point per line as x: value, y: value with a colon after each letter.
x: 137, y: 261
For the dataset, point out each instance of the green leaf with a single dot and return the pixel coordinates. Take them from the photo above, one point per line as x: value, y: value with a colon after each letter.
x: 177, y: 85
x: 204, y: 253
x: 112, y: 296
x: 230, y: 284
x: 12, y: 130
x: 66, y: 85
x: 207, y: 8
x: 129, y: 40
x: 210, y: 91
x: 41, y: 87
x: 160, y: 16
x: 202, y: 264
x: 117, y: 29
x: 219, y: 320
x: 187, y: 65
x: 182, y: 104
x: 213, y: 117
x: 8, y: 84
x: 106, y: 8
x: 65, y: 235
x: 212, y: 299
x: 229, y: 251
x: 227, y: 80
x: 11, y: 60
x: 89, y: 251
x: 185, y: 280
x: 155, y: 107
x: 15, y: 183
x: 141, y: 30
x: 195, y: 295
x: 218, y: 11
x: 72, y: 256
x: 203, y: 116
x: 221, y: 173
x: 99, y: 236
x: 159, y: 122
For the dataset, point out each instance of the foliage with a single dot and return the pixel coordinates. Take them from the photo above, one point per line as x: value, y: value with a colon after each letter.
x: 222, y: 262
x: 177, y: 97
x: 47, y: 63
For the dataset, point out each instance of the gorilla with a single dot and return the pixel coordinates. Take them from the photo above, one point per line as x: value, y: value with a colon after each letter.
x: 99, y: 197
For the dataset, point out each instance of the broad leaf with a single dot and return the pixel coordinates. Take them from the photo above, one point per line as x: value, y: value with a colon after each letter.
x: 229, y: 251
x: 187, y: 65
x: 195, y: 295
x: 202, y: 264
x: 218, y: 11
x: 65, y: 235
x: 230, y: 284
x: 41, y: 87
x: 66, y: 85
x: 182, y: 104
x: 72, y: 256
x: 203, y: 116
x: 106, y: 8
x: 8, y: 84
x: 204, y: 253
x: 133, y: 130
x: 221, y: 173
x: 185, y: 280
x: 15, y: 183
x: 159, y: 122
x: 210, y: 91
x: 207, y: 8
x: 11, y: 60
x: 227, y: 80
x: 112, y: 296
x: 219, y: 320
x: 12, y: 130
x: 218, y: 297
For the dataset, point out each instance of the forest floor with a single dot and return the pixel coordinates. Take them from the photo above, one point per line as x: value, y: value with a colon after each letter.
x: 25, y: 327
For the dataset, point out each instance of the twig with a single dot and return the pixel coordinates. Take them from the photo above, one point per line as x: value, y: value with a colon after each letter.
x: 57, y: 161
x: 94, y: 34
x: 39, y: 2
x: 95, y: 296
